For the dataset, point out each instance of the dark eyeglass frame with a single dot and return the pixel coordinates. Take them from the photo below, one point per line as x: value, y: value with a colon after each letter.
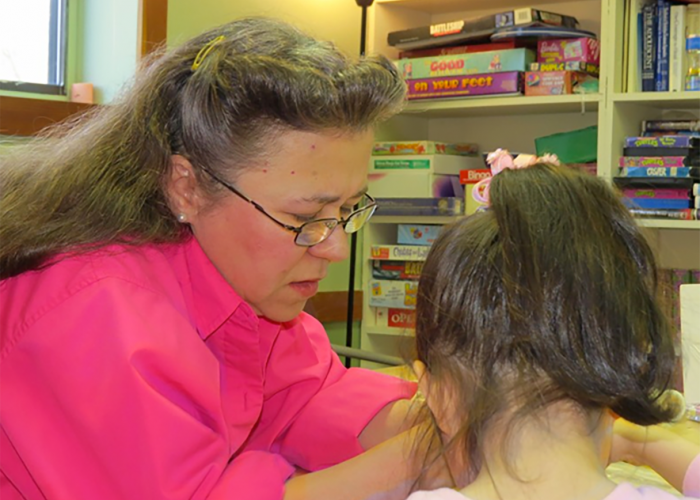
x: 371, y: 206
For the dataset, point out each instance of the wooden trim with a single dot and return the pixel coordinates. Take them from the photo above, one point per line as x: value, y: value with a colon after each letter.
x: 153, y: 25
x: 22, y: 116
x: 329, y: 307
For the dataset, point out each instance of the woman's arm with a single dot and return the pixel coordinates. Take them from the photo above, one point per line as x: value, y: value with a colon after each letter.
x: 668, y: 449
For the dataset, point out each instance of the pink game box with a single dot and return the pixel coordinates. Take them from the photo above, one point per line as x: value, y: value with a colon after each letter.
x: 586, y: 50
x: 509, y: 82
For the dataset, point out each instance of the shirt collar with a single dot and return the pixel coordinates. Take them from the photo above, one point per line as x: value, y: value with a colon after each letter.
x: 210, y: 298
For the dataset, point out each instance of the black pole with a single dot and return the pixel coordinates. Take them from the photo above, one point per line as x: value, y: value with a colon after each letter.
x: 353, y: 237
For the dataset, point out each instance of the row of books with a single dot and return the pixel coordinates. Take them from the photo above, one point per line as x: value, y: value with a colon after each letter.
x: 655, y: 34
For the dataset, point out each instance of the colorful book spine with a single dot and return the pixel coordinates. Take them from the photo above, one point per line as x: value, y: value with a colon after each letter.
x: 655, y: 182
x: 681, y: 194
x: 660, y: 172
x: 460, y: 86
x: 676, y: 49
x: 399, y: 252
x: 663, y: 11
x: 653, y: 161
x: 661, y: 213
x: 664, y: 141
x: 648, y: 44
x: 691, y: 152
x: 657, y: 203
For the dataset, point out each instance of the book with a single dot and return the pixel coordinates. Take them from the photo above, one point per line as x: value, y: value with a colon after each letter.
x: 693, y: 172
x: 676, y: 49
x: 474, y: 29
x: 460, y: 86
x: 420, y: 206
x: 665, y: 141
x: 670, y: 125
x: 656, y: 193
x: 655, y: 182
x: 655, y: 161
x: 633, y: 49
x: 663, y: 10
x: 399, y: 252
x: 666, y: 213
x: 396, y: 269
x: 691, y: 153
x: 457, y: 49
x: 657, y: 203
x: 648, y: 45
x: 424, y: 148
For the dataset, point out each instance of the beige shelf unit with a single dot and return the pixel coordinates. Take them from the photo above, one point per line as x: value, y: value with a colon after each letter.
x: 514, y: 122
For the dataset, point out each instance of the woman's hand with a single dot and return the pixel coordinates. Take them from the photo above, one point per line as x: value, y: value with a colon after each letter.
x: 668, y: 448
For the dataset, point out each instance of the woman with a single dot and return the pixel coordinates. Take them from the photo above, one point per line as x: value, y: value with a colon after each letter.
x: 155, y: 259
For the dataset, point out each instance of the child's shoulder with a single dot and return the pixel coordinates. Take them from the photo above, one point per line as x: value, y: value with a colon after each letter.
x: 439, y: 494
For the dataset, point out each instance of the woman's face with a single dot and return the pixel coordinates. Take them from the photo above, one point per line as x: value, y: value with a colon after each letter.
x: 307, y: 176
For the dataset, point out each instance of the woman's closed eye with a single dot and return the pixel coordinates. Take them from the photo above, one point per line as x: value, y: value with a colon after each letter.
x: 344, y: 213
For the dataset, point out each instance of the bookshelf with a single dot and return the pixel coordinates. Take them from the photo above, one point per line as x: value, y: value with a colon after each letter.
x: 513, y: 122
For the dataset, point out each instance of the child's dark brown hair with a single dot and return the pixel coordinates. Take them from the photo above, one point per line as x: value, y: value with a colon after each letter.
x: 547, y: 296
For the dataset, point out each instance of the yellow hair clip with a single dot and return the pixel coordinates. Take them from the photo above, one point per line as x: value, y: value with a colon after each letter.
x: 204, y: 51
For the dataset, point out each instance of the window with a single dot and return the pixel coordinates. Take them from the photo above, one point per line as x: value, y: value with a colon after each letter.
x: 33, y: 45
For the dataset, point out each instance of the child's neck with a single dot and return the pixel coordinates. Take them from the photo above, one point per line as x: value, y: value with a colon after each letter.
x: 559, y: 456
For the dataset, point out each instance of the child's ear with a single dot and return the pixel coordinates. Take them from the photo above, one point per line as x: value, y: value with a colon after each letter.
x: 436, y: 397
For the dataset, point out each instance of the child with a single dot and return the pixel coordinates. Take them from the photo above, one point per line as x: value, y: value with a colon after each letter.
x: 535, y: 320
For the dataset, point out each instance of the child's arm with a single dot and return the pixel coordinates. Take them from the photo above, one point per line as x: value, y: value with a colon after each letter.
x: 668, y: 449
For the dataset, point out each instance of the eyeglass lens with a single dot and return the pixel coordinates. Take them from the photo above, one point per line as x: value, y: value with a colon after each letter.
x: 315, y: 232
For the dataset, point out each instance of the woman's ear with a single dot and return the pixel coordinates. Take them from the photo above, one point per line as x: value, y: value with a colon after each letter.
x: 181, y: 187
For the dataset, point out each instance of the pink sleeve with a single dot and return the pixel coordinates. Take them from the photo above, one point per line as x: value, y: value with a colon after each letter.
x: 691, y: 483
x: 253, y: 474
x: 326, y: 430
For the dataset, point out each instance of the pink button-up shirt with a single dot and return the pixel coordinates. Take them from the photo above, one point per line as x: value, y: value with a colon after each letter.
x: 139, y: 374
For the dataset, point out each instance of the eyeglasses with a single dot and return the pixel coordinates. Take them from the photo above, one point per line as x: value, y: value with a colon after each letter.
x: 315, y: 231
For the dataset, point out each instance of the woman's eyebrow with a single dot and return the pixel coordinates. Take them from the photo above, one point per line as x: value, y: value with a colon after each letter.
x: 322, y: 199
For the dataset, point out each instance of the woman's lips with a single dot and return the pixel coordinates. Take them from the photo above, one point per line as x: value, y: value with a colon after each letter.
x: 305, y: 288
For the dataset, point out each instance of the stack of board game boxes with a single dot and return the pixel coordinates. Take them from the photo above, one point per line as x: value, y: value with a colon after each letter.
x: 490, y: 55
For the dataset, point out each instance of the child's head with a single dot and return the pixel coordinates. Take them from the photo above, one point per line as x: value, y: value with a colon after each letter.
x: 547, y: 296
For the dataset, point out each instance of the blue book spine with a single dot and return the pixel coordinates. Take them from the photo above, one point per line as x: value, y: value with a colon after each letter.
x: 662, y: 141
x: 659, y: 171
x: 656, y: 203
x: 663, y: 39
x: 648, y: 41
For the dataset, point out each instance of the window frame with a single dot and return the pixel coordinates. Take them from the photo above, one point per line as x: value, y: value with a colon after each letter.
x: 58, y: 48
x: 26, y: 116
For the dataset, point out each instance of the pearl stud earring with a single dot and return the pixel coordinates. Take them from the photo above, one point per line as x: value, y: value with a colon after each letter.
x: 182, y: 218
